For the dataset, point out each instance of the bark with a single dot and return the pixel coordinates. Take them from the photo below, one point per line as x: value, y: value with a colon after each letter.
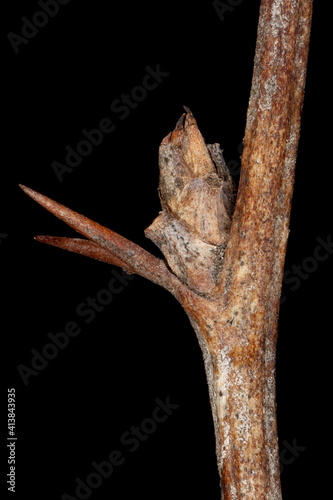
x: 223, y: 263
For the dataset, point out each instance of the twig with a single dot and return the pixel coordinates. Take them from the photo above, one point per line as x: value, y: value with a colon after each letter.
x: 226, y: 268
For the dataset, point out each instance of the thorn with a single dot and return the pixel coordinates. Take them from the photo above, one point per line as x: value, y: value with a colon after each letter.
x: 84, y: 247
x: 132, y: 256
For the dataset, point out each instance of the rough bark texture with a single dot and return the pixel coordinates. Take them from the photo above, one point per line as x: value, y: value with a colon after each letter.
x: 196, y: 192
x: 225, y: 267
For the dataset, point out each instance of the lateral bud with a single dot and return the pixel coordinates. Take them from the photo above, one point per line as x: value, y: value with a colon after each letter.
x: 197, y: 194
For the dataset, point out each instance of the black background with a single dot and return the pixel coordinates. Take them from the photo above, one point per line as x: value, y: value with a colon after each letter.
x: 141, y: 346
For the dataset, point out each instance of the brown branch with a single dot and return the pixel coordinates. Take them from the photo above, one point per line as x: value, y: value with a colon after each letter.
x: 245, y: 327
x: 260, y: 222
x: 122, y: 250
x: 226, y: 269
